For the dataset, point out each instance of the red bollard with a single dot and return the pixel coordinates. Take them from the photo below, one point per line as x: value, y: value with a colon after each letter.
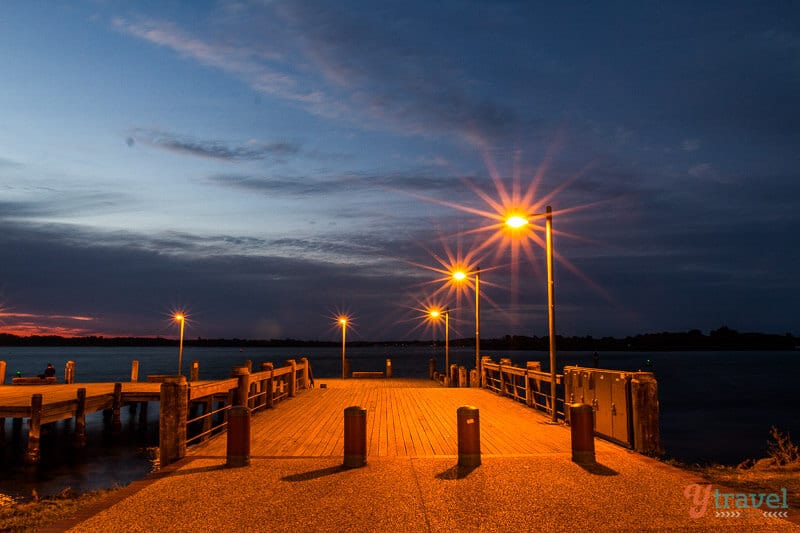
x: 581, y: 421
x: 469, y: 436
x: 355, y: 437
x: 238, y: 436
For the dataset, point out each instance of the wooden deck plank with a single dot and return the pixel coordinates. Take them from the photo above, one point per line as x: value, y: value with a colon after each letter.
x: 404, y: 418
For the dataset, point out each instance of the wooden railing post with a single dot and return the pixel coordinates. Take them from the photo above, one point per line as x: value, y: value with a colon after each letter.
x: 194, y: 371
x: 306, y: 373
x: 33, y: 454
x: 269, y: 385
x: 243, y: 388
x: 116, y: 422
x: 644, y: 407
x: 531, y: 385
x: 134, y: 371
x: 292, y: 377
x: 2, y: 372
x: 80, y: 419
x: 484, y: 372
x: 172, y: 419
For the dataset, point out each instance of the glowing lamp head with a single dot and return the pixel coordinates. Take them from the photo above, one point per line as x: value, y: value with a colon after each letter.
x: 343, y: 320
x: 516, y: 221
x: 459, y: 275
x: 179, y: 317
x: 435, y: 313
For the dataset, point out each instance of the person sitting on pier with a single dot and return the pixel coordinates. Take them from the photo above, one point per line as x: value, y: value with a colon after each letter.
x: 49, y: 372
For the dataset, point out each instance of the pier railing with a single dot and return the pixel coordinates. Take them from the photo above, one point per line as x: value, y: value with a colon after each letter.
x: 528, y: 385
x: 257, y: 390
x: 181, y: 401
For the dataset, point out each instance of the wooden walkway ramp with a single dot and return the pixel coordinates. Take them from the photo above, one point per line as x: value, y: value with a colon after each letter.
x: 411, y: 418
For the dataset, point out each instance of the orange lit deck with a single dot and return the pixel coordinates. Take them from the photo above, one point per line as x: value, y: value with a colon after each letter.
x: 410, y: 418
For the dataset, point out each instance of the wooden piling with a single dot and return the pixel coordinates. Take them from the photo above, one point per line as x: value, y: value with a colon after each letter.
x: 116, y: 420
x: 462, y: 376
x: 143, y: 415
x: 194, y: 371
x: 644, y: 407
x: 2, y: 372
x: 80, y: 419
x: 172, y: 419
x: 134, y: 371
x: 431, y: 367
x: 388, y: 368
x: 33, y: 453
x: 69, y: 372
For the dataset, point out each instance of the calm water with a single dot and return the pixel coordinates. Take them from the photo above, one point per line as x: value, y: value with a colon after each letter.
x: 715, y: 406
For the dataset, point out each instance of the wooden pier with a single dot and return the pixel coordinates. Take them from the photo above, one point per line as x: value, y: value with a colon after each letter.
x: 405, y: 418
x: 44, y: 404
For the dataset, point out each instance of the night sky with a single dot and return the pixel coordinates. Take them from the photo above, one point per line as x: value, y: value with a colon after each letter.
x: 268, y: 165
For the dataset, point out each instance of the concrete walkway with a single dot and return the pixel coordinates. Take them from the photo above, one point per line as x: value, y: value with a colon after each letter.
x: 528, y: 493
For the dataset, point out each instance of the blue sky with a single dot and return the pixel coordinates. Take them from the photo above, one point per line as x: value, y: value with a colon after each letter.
x: 265, y: 165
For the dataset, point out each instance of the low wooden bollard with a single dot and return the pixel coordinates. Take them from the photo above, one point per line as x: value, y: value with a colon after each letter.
x: 469, y: 435
x: 581, y: 421
x: 134, y: 371
x: 33, y: 453
x: 172, y: 419
x: 355, y: 436
x: 238, y: 443
x: 388, y: 368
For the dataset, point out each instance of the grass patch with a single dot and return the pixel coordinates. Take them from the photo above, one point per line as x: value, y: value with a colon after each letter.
x: 40, y: 512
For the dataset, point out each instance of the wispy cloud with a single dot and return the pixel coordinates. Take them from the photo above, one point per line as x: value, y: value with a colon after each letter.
x: 249, y: 151
x: 242, y: 62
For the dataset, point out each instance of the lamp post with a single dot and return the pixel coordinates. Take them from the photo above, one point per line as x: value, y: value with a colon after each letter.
x: 517, y: 221
x: 343, y: 323
x: 458, y: 276
x: 436, y: 314
x: 180, y: 317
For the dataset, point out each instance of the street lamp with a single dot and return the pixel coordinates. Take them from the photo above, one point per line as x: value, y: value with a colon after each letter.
x: 436, y: 314
x: 343, y: 323
x: 459, y: 276
x: 180, y: 317
x: 516, y: 222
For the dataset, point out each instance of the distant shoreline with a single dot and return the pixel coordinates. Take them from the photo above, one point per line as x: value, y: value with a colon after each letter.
x: 693, y: 340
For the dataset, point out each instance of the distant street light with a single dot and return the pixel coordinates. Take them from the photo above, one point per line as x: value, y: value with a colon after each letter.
x: 343, y: 323
x: 180, y: 317
x: 516, y: 222
x: 435, y: 314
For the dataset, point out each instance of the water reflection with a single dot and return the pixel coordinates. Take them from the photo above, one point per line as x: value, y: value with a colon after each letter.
x: 108, y: 459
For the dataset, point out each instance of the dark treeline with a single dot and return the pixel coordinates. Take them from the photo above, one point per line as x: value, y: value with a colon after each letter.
x: 723, y: 338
